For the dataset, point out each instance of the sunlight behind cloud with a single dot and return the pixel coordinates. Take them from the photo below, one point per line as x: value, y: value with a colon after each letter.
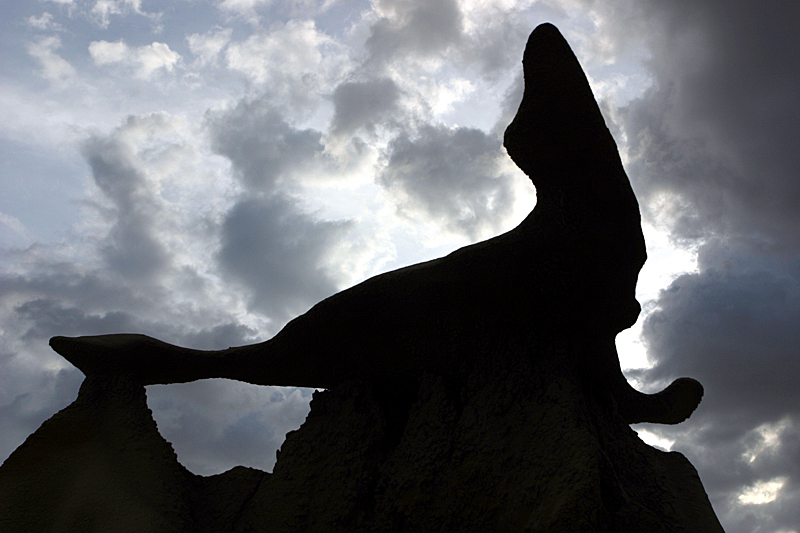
x: 762, y: 492
x: 655, y: 440
x: 769, y: 438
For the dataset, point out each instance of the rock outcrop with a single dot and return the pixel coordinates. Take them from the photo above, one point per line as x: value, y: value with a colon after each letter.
x: 477, y: 392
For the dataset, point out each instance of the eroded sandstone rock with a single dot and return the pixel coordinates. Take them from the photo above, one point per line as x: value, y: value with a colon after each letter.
x: 476, y: 392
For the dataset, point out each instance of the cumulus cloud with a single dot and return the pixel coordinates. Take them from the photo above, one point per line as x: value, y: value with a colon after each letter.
x: 43, y: 22
x: 146, y: 59
x: 208, y: 46
x: 102, y: 10
x: 130, y: 277
x: 493, y: 37
x: 54, y: 67
x: 245, y: 8
x: 486, y: 35
x: 208, y: 251
x: 293, y: 62
x: 452, y: 175
x: 423, y: 28
x: 131, y: 247
x: 206, y: 254
x: 265, y: 150
x: 362, y: 104
x: 65, y: 299
x: 280, y: 254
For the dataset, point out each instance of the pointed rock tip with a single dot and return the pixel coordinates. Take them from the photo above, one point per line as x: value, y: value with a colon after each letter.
x: 558, y: 117
x: 543, y: 33
x: 548, y: 60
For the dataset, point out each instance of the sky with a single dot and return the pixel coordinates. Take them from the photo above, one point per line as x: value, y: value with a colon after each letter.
x: 202, y: 171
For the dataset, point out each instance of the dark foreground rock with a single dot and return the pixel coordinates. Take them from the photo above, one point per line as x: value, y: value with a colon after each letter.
x: 476, y: 392
x: 523, y: 446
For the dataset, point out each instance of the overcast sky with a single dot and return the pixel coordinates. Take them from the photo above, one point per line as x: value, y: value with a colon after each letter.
x: 202, y: 171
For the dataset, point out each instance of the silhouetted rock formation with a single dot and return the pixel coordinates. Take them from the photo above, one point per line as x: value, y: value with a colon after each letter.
x: 476, y: 392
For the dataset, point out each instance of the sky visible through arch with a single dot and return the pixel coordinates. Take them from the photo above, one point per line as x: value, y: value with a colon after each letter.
x: 203, y: 171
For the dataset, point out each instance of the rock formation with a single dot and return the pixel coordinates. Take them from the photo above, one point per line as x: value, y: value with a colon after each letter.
x: 477, y: 392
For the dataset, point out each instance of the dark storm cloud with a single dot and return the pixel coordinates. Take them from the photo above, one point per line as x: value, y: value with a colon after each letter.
x: 362, y: 104
x: 719, y: 126
x: 736, y: 332
x: 265, y: 150
x: 219, y: 337
x: 65, y: 282
x: 715, y: 155
x: 452, y: 176
x: 279, y: 253
x: 49, y: 317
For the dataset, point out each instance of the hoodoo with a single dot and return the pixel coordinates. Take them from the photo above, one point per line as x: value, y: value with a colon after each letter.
x: 480, y: 391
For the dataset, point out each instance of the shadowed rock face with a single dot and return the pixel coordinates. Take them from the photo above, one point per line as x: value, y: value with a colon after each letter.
x: 477, y: 392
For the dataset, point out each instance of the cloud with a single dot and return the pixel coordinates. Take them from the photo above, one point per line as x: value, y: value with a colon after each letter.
x: 244, y: 425
x: 43, y: 22
x: 510, y: 103
x: 146, y: 59
x: 204, y: 420
x: 208, y: 46
x: 423, y: 28
x: 280, y: 254
x: 31, y: 398
x: 265, y: 150
x: 292, y: 62
x: 493, y: 38
x: 130, y: 247
x: 104, y: 52
x: 49, y: 318
x: 363, y: 104
x: 12, y: 223
x: 716, y: 126
x: 452, y: 175
x: 207, y: 251
x: 713, y: 158
x: 248, y: 9
x: 54, y: 67
x: 102, y: 10
x: 736, y: 331
x: 487, y: 35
